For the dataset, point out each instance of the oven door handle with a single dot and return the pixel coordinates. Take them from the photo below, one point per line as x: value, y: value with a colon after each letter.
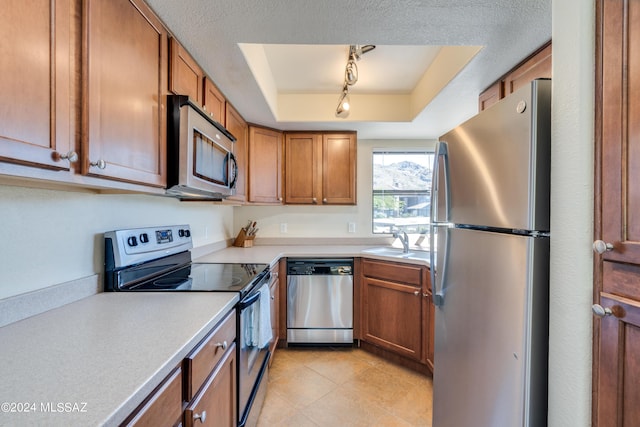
x: 249, y: 301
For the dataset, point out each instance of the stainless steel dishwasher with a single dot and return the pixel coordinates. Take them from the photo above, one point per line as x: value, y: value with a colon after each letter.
x: 320, y: 301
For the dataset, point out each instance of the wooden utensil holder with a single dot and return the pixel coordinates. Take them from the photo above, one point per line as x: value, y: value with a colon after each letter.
x: 242, y: 240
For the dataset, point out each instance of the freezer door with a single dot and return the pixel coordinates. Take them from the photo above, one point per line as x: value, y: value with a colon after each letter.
x: 499, y: 163
x: 491, y: 331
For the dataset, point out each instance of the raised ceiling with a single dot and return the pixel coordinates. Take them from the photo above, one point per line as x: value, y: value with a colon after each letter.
x: 281, y: 63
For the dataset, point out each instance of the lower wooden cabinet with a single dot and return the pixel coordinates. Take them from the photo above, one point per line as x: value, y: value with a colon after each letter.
x: 200, y: 392
x: 216, y: 404
x: 274, y: 292
x: 164, y: 405
x: 397, y: 311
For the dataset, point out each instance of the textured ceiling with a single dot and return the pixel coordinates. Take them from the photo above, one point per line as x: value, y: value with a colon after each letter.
x: 212, y: 30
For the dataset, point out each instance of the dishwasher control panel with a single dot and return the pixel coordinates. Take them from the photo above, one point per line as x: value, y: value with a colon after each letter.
x: 325, y: 267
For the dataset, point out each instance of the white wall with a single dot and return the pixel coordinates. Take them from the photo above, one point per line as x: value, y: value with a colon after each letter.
x: 571, y: 213
x: 327, y: 221
x: 49, y: 237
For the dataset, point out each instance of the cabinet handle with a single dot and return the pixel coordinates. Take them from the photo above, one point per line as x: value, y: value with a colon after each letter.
x: 202, y: 417
x: 425, y: 294
x: 601, y: 311
x: 416, y: 293
x: 100, y: 164
x: 314, y: 200
x: 601, y: 247
x: 71, y: 156
x: 222, y: 345
x: 279, y: 199
x: 325, y: 200
x: 273, y: 297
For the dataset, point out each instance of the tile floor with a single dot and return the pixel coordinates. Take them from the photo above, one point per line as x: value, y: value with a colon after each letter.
x: 343, y: 387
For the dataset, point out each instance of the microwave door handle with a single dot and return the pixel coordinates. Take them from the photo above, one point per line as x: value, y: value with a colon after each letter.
x: 234, y: 170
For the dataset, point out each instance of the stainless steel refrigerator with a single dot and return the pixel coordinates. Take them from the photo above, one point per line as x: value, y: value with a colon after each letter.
x: 490, y: 271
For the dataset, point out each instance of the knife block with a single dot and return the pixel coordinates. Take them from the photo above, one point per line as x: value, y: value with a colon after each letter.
x: 244, y: 241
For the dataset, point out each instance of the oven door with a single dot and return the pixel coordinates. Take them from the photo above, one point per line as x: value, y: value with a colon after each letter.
x: 253, y: 350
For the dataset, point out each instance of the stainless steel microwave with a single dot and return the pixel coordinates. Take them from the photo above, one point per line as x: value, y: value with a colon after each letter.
x: 200, y: 160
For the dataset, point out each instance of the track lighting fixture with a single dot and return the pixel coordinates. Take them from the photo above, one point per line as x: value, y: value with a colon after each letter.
x: 350, y: 77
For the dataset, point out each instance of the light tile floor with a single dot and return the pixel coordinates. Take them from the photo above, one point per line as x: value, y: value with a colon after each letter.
x: 343, y: 387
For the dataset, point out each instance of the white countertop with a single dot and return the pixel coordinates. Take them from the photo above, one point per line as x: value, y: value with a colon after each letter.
x: 92, y: 362
x: 271, y: 254
x: 99, y: 357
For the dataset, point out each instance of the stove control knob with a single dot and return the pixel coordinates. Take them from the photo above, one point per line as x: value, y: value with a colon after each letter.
x: 181, y: 233
x: 132, y: 241
x: 144, y: 238
x: 187, y: 233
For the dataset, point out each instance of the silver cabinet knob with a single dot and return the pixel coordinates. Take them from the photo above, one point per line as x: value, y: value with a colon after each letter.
x: 222, y: 345
x: 100, y: 164
x: 325, y: 200
x: 425, y: 294
x: 314, y: 200
x: 273, y: 297
x: 202, y: 417
x: 601, y: 247
x: 601, y: 311
x: 71, y: 156
x: 416, y: 293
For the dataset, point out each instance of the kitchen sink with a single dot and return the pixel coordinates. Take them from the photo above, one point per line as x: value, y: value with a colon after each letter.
x: 396, y: 253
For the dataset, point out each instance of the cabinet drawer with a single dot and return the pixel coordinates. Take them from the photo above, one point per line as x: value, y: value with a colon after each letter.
x: 216, y: 403
x: 163, y: 407
x: 403, y: 273
x: 200, y: 363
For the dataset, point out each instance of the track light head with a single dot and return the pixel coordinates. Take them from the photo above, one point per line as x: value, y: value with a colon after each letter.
x: 344, y: 104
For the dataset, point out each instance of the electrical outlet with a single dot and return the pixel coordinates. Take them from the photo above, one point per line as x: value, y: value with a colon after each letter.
x: 352, y: 227
x: 283, y: 227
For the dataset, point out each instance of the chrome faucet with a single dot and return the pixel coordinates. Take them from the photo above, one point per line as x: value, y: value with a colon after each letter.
x: 404, y: 239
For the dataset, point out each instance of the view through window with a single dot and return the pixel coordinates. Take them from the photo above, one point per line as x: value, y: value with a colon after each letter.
x: 402, y: 191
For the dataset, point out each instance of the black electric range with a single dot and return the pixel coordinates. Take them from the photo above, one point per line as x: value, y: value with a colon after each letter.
x: 158, y: 259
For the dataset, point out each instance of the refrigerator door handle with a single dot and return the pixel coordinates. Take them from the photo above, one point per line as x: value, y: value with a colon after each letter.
x: 437, y: 188
x: 438, y: 277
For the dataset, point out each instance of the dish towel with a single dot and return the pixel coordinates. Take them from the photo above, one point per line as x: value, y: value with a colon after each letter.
x: 264, y: 323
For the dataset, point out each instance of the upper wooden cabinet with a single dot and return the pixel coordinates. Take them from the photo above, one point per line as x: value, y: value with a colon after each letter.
x: 320, y: 168
x: 187, y: 78
x: 125, y: 77
x: 264, y: 165
x: 535, y: 66
x: 213, y: 102
x: 238, y: 128
x: 37, y: 101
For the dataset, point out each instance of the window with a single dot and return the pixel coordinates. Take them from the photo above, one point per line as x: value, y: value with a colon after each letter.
x: 402, y: 191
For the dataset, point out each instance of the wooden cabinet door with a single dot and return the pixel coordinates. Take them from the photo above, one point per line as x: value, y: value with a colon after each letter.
x: 238, y: 128
x: 536, y: 67
x: 265, y: 165
x: 619, y: 364
x: 36, y: 106
x: 213, y: 102
x: 163, y: 407
x: 125, y: 73
x: 617, y: 212
x: 339, y: 169
x: 186, y: 75
x: 491, y: 95
x: 216, y: 404
x: 274, y: 291
x: 392, y: 316
x: 303, y: 173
